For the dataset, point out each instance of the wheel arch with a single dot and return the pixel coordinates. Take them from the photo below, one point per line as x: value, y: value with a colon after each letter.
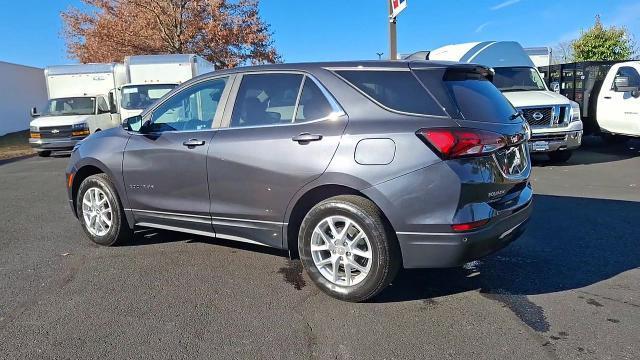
x: 308, y: 200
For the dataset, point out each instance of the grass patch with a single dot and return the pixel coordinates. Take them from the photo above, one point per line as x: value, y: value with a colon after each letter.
x: 15, y: 144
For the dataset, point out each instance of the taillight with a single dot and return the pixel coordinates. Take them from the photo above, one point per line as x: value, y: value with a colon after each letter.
x: 469, y: 226
x: 460, y: 142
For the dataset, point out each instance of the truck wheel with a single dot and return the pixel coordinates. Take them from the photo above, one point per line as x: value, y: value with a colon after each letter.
x: 560, y: 156
x: 100, y: 212
x: 44, y: 153
x: 348, y: 249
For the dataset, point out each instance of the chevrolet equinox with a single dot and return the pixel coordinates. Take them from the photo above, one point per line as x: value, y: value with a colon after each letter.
x: 358, y: 168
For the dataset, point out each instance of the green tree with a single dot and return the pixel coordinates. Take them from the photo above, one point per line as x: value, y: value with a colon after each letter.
x: 600, y: 43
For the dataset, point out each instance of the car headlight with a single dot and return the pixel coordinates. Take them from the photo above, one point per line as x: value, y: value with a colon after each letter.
x: 33, y: 128
x: 575, y: 111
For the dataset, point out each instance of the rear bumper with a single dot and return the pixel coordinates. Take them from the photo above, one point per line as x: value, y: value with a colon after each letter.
x: 440, y: 250
x: 54, y: 144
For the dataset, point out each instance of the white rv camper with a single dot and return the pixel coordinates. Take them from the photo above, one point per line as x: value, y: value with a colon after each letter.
x: 555, y: 120
x: 152, y: 76
x: 81, y: 102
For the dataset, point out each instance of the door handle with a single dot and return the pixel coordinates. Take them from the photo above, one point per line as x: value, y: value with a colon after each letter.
x: 306, y: 137
x: 191, y: 143
x: 608, y: 97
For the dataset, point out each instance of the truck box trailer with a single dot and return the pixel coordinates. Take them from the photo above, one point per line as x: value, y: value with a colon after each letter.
x: 152, y: 76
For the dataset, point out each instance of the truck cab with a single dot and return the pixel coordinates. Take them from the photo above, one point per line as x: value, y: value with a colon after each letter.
x: 81, y: 102
x: 554, y: 120
x: 618, y: 108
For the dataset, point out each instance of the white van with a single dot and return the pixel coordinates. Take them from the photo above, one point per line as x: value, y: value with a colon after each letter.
x: 555, y: 120
x: 152, y: 76
x: 81, y: 102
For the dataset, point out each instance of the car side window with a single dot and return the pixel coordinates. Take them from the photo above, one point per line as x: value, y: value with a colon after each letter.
x: 631, y: 73
x: 313, y: 104
x: 266, y: 99
x: 191, y: 109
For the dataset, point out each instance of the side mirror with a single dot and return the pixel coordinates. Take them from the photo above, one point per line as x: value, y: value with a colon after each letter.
x: 34, y: 112
x: 621, y: 84
x: 133, y: 123
x: 555, y: 86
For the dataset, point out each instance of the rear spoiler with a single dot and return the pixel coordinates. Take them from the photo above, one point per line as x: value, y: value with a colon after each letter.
x: 454, y: 70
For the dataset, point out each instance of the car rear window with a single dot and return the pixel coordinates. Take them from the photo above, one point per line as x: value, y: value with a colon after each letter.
x: 467, y: 95
x: 396, y: 90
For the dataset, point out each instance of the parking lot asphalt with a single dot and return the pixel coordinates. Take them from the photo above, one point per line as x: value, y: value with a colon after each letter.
x: 568, y: 289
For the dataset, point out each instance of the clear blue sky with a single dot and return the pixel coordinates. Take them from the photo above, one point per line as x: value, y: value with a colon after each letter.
x: 308, y: 30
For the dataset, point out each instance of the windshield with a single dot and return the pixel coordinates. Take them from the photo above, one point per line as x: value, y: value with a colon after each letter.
x: 518, y: 79
x: 70, y: 106
x: 140, y: 97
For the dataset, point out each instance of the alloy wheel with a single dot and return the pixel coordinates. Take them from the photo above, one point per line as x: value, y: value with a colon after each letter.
x: 97, y: 212
x: 341, y: 251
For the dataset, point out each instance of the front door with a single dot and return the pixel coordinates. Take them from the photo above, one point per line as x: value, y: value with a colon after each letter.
x: 165, y: 166
x: 618, y: 111
x: 281, y: 134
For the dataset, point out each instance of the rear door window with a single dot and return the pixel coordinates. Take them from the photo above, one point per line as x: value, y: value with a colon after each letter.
x: 395, y: 89
x: 266, y: 99
x: 467, y: 95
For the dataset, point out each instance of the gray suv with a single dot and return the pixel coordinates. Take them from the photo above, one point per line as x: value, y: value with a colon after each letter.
x: 358, y: 168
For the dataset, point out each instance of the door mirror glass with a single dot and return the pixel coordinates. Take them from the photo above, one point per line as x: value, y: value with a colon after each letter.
x: 133, y: 123
x: 34, y: 112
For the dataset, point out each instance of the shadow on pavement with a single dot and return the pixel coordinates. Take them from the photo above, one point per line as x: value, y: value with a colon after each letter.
x: 14, y: 159
x: 153, y: 237
x: 570, y: 243
x: 594, y: 150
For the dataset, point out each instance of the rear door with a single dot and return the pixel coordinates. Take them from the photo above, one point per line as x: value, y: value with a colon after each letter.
x: 165, y: 168
x: 280, y: 133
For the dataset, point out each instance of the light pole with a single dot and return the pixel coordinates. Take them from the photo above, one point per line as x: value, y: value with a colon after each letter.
x: 393, y: 41
x: 380, y: 55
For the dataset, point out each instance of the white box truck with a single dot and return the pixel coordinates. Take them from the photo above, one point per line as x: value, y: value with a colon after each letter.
x: 81, y: 102
x: 555, y: 120
x: 152, y: 76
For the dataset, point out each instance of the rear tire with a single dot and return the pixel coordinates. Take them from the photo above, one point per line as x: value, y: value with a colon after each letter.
x: 44, y: 153
x: 100, y: 211
x: 560, y: 156
x: 367, y: 253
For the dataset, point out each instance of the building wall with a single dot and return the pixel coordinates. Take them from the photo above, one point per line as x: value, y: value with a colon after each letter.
x: 23, y: 87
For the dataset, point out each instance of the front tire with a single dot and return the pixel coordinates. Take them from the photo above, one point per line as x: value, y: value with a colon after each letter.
x: 348, y: 249
x: 100, y: 211
x: 560, y: 156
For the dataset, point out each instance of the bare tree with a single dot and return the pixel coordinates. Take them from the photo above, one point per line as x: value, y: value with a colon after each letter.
x: 227, y: 33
